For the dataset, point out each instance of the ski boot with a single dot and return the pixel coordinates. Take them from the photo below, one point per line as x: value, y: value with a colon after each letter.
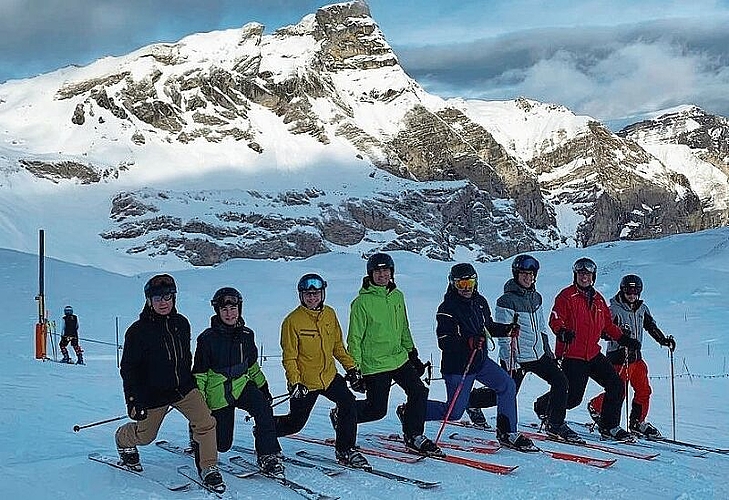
x: 353, y: 458
x: 66, y: 359
x: 212, y: 479
x: 271, y: 465
x: 477, y: 418
x: 423, y: 446
x: 80, y: 359
x: 645, y: 429
x: 564, y: 433
x: 516, y: 441
x: 129, y: 458
x: 616, y: 434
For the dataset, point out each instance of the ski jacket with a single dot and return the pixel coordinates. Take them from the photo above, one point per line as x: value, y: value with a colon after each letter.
x: 586, y: 313
x: 379, y: 338
x: 70, y: 326
x: 156, y: 361
x: 311, y: 340
x: 532, y: 342
x: 457, y: 320
x: 637, y: 318
x: 226, y: 359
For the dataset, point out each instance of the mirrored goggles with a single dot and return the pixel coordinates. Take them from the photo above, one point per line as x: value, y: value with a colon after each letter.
x: 465, y: 283
x: 229, y: 300
x: 165, y: 297
x: 585, y: 266
x: 529, y: 264
x: 313, y: 284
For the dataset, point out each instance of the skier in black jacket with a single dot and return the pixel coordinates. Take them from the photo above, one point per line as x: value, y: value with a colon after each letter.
x: 156, y: 371
x: 70, y: 335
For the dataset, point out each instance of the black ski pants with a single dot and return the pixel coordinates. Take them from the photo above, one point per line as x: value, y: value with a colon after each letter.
x: 552, y: 403
x: 374, y: 406
x: 300, y: 409
x: 599, y: 369
x: 257, y: 405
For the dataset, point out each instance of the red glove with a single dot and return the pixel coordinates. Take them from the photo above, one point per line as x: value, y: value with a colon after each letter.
x: 476, y: 342
x: 514, y: 330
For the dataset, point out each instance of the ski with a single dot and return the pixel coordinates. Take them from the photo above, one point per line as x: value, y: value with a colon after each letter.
x: 696, y: 446
x: 487, y: 448
x: 225, y: 467
x: 302, y: 490
x: 539, y: 436
x: 329, y: 471
x: 454, y: 459
x: 400, y: 457
x: 148, y: 475
x: 377, y: 472
x: 558, y: 455
x: 191, y: 474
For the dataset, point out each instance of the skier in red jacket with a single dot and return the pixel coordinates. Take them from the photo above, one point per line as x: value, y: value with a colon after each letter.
x: 580, y: 317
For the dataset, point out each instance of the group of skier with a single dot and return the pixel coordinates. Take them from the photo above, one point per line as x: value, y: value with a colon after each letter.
x: 159, y: 370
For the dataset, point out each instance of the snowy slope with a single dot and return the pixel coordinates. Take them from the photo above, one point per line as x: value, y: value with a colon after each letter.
x: 686, y: 280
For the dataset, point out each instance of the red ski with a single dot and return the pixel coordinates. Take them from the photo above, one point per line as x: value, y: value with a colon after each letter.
x: 454, y: 459
x: 405, y: 458
x: 571, y: 457
x: 486, y: 447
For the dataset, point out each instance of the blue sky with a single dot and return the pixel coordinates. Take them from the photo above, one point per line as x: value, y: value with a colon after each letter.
x: 607, y: 59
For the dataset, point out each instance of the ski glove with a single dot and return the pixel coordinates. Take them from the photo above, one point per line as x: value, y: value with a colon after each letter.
x: 135, y: 411
x: 298, y: 391
x: 668, y: 342
x: 266, y: 392
x: 629, y: 342
x: 566, y: 336
x: 415, y: 361
x: 476, y: 342
x: 356, y: 380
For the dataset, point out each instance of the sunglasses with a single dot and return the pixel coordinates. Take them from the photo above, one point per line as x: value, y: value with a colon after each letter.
x: 465, y: 283
x: 166, y: 297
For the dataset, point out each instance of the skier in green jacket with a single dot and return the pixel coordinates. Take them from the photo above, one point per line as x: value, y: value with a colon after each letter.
x: 380, y: 342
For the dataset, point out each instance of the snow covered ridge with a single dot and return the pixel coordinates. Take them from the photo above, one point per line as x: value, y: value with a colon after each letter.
x: 324, y: 105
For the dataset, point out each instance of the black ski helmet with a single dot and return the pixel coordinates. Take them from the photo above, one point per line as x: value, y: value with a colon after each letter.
x: 227, y: 296
x: 68, y: 310
x: 462, y: 271
x: 584, y: 264
x: 523, y: 263
x: 312, y: 281
x: 161, y: 284
x: 380, y: 261
x: 631, y: 281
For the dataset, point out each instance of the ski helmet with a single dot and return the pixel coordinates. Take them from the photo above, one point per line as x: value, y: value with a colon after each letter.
x: 310, y: 282
x: 227, y: 296
x: 584, y: 264
x: 462, y: 276
x: 161, y: 284
x: 68, y: 310
x: 631, y: 283
x: 380, y: 261
x: 523, y: 263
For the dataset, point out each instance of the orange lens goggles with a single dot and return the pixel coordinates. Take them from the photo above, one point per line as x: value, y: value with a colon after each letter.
x: 465, y: 283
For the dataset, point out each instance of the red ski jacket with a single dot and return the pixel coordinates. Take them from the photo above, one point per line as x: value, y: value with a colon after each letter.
x: 590, y: 319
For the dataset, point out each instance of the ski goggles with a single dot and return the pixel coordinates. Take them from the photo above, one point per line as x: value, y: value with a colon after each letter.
x: 312, y: 284
x: 585, y: 266
x: 166, y: 297
x: 229, y: 300
x: 632, y: 290
x: 465, y: 283
x: 529, y: 264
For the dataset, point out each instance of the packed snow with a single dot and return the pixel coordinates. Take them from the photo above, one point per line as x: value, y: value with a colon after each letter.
x: 686, y: 284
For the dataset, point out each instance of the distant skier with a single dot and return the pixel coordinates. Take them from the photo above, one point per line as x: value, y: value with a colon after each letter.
x: 580, y: 317
x: 69, y: 334
x: 633, y: 316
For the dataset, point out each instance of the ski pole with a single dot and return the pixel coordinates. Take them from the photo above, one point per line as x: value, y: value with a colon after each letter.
x: 455, y: 395
x: 77, y: 428
x: 673, y: 393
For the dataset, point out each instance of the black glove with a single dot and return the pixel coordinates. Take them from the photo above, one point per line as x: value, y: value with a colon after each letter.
x: 266, y: 392
x: 298, y: 391
x: 356, y: 380
x: 625, y: 328
x: 668, y: 342
x: 566, y: 336
x: 135, y: 410
x: 629, y: 342
x: 415, y: 361
x: 476, y: 342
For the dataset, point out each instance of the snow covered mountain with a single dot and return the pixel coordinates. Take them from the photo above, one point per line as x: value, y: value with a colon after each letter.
x: 314, y: 139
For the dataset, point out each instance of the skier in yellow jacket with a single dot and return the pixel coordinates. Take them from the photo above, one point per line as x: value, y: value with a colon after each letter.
x: 311, y: 340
